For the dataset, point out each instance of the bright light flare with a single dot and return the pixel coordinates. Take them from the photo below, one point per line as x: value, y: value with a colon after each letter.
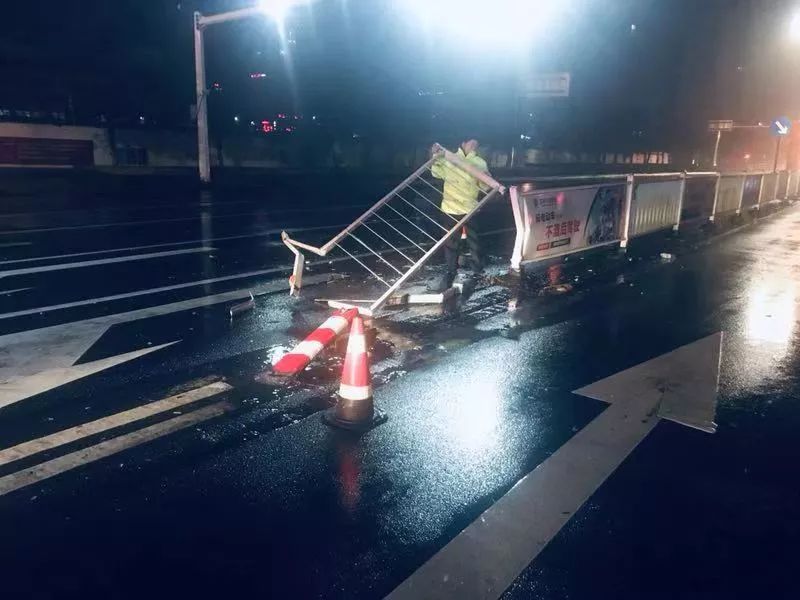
x: 278, y: 10
x: 474, y: 23
x: 794, y: 27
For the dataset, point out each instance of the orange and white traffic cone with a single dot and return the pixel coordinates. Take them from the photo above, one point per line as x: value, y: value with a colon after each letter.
x: 355, y: 409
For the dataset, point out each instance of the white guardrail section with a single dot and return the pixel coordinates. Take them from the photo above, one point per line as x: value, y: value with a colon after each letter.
x: 394, y: 238
x: 554, y: 221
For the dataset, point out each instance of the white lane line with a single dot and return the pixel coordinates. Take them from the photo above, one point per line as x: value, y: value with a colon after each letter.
x: 178, y: 286
x: 166, y: 288
x: 9, y: 292
x: 168, y: 244
x: 119, y: 224
x: 21, y: 261
x: 101, y: 261
x: 486, y: 557
x: 65, y: 463
x: 125, y: 209
x: 73, y: 434
x: 201, y: 205
x: 15, y: 244
x: 155, y: 221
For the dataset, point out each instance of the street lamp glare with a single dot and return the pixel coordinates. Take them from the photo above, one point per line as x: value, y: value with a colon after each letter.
x: 509, y: 23
x: 794, y: 27
x: 278, y: 9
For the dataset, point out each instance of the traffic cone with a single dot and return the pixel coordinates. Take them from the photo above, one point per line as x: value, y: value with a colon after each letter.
x: 354, y: 408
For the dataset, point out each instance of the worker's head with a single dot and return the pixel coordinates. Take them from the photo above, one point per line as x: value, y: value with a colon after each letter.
x: 469, y: 146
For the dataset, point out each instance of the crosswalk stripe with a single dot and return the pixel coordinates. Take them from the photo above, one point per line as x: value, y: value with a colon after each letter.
x: 65, y: 463
x: 73, y: 434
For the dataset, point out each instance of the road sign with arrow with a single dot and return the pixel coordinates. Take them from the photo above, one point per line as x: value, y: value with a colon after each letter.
x: 781, y: 126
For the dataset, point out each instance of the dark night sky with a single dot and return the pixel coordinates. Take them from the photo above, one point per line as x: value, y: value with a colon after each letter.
x: 359, y: 65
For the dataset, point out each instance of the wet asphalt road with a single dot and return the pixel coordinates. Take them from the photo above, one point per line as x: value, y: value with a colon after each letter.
x: 265, y: 499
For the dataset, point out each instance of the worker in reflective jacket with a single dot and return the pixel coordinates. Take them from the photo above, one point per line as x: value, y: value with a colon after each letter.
x: 461, y: 193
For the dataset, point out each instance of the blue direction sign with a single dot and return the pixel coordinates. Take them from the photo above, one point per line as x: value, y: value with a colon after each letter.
x: 781, y: 126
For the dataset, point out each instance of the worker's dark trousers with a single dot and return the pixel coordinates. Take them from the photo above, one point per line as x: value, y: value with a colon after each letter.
x: 452, y: 247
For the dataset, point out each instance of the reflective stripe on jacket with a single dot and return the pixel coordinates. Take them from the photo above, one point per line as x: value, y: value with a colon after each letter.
x: 461, y: 189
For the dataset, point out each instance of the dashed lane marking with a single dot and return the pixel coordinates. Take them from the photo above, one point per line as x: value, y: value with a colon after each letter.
x: 74, y: 434
x: 62, y: 464
x: 14, y: 291
x: 102, y: 261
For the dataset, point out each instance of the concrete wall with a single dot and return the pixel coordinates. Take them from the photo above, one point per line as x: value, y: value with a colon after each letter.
x: 103, y: 155
x: 163, y: 148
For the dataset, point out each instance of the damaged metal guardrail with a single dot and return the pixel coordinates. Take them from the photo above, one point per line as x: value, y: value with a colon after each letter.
x: 394, y: 238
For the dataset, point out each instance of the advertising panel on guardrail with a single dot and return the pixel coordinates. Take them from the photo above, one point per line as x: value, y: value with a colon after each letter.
x: 562, y: 221
x: 730, y: 194
x: 768, y: 189
x: 752, y: 189
x: 698, y: 199
x: 655, y: 206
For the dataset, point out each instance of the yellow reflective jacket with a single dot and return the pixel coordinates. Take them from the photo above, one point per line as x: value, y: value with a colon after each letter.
x: 461, y: 189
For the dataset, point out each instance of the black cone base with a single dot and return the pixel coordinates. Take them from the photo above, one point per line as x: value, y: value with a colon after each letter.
x: 378, y: 417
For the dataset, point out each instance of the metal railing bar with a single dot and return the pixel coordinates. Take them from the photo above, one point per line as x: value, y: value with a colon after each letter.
x: 429, y: 201
x: 396, y: 270
x: 378, y: 235
x: 374, y: 274
x: 410, y: 273
x: 372, y: 210
x: 400, y: 232
x: 425, y: 233
x: 423, y: 213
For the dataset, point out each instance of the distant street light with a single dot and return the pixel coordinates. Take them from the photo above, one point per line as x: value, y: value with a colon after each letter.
x: 277, y: 10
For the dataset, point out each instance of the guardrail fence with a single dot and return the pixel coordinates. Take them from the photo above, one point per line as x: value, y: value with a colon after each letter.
x: 556, y: 221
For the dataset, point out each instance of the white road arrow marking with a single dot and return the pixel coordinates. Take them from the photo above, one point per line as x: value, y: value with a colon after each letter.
x: 485, y: 558
x: 15, y: 389
x: 782, y: 129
